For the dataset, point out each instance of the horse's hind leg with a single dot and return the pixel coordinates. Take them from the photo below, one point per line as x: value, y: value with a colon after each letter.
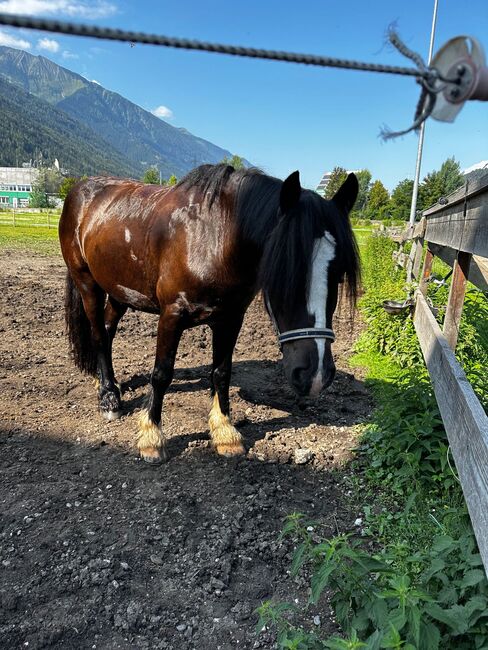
x: 225, y: 437
x: 114, y: 311
x: 93, y: 298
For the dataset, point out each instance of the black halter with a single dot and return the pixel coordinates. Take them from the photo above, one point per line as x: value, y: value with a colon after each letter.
x: 302, y: 333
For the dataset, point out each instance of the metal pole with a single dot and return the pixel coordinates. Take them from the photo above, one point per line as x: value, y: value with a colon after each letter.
x: 413, y: 207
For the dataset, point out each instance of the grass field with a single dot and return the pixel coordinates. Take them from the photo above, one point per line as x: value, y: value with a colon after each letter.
x: 29, y: 238
x: 48, y: 219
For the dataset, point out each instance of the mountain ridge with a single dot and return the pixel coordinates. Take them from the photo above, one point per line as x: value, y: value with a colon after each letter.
x: 138, y: 135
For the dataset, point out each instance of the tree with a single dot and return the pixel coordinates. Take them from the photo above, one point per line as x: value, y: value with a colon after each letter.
x: 364, y: 181
x: 440, y: 183
x: 234, y: 161
x: 401, y: 200
x: 337, y: 177
x: 379, y: 201
x: 151, y: 176
x: 48, y: 182
x: 172, y: 180
x: 67, y: 185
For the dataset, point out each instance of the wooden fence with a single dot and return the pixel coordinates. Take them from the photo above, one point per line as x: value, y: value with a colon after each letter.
x: 456, y: 231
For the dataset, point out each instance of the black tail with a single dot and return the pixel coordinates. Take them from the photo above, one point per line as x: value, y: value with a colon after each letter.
x: 79, y: 329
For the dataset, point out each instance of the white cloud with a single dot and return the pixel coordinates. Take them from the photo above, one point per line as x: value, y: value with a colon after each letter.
x: 13, y: 41
x: 83, y: 8
x: 163, y: 111
x: 69, y: 55
x: 48, y: 44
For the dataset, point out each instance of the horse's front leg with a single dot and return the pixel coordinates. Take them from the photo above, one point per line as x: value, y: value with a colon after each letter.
x: 226, y: 440
x: 151, y: 440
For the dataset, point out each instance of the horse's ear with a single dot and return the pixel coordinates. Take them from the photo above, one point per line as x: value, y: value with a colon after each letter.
x: 347, y: 194
x: 290, y: 192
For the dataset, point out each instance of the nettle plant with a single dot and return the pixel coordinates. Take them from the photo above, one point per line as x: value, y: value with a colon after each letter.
x: 443, y: 606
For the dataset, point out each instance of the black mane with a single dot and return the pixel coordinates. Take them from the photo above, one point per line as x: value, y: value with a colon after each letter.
x: 287, y: 240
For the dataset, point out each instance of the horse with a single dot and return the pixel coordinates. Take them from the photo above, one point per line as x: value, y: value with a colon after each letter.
x: 198, y: 253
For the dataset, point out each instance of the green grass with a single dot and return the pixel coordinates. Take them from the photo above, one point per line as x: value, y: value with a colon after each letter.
x: 362, y: 235
x: 30, y: 238
x: 49, y: 218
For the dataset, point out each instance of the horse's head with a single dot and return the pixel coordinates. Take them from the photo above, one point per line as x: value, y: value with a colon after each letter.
x: 311, y: 251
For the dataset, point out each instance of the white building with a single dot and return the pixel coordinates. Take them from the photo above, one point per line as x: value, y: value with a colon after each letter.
x: 324, y: 181
x: 16, y: 186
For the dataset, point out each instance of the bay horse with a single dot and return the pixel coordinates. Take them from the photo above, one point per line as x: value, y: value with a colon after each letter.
x: 197, y: 253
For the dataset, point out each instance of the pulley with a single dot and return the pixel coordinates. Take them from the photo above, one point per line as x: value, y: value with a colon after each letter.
x: 462, y: 74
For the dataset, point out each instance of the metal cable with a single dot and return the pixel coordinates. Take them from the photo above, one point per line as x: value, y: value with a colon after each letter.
x: 60, y: 27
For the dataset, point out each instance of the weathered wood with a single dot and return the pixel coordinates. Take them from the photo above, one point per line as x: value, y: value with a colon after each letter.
x: 462, y: 224
x: 464, y: 419
x: 478, y: 269
x: 479, y: 186
x: 455, y: 302
x: 426, y: 271
x: 417, y: 260
x: 419, y: 229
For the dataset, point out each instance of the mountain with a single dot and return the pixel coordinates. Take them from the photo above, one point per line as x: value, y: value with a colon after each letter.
x: 135, y: 133
x: 31, y: 125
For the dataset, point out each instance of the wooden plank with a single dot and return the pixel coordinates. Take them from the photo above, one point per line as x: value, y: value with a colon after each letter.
x: 464, y: 419
x: 419, y: 229
x: 410, y: 260
x: 479, y: 186
x: 426, y: 271
x: 462, y: 223
x: 478, y: 269
x: 417, y: 261
x: 455, y: 302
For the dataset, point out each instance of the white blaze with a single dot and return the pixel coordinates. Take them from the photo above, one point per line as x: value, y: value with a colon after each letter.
x: 323, y: 254
x: 127, y: 235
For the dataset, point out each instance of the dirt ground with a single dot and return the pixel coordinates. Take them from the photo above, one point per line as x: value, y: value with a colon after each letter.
x: 99, y: 550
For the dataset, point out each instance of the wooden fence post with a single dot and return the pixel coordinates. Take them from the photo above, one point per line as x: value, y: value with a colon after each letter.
x: 426, y: 271
x: 456, y: 298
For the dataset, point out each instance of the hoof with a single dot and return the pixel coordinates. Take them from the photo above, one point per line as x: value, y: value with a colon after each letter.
x: 153, y: 456
x: 230, y: 449
x: 111, y: 415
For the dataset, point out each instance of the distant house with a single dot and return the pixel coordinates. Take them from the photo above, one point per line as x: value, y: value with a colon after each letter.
x: 16, y: 186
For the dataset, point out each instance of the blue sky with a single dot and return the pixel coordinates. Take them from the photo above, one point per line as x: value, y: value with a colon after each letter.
x: 280, y: 116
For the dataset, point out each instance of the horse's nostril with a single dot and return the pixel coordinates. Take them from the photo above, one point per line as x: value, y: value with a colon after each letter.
x: 299, y: 376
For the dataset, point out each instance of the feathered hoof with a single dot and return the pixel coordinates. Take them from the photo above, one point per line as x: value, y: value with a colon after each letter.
x: 153, y: 456
x: 109, y: 403
x: 224, y: 449
x: 110, y: 416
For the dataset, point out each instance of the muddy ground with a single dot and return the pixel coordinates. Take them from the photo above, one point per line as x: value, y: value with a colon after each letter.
x: 99, y: 550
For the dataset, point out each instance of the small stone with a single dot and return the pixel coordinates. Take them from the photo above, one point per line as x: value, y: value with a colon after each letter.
x: 358, y: 521
x: 125, y: 566
x: 303, y: 456
x: 316, y: 620
x: 156, y: 559
x: 181, y: 627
